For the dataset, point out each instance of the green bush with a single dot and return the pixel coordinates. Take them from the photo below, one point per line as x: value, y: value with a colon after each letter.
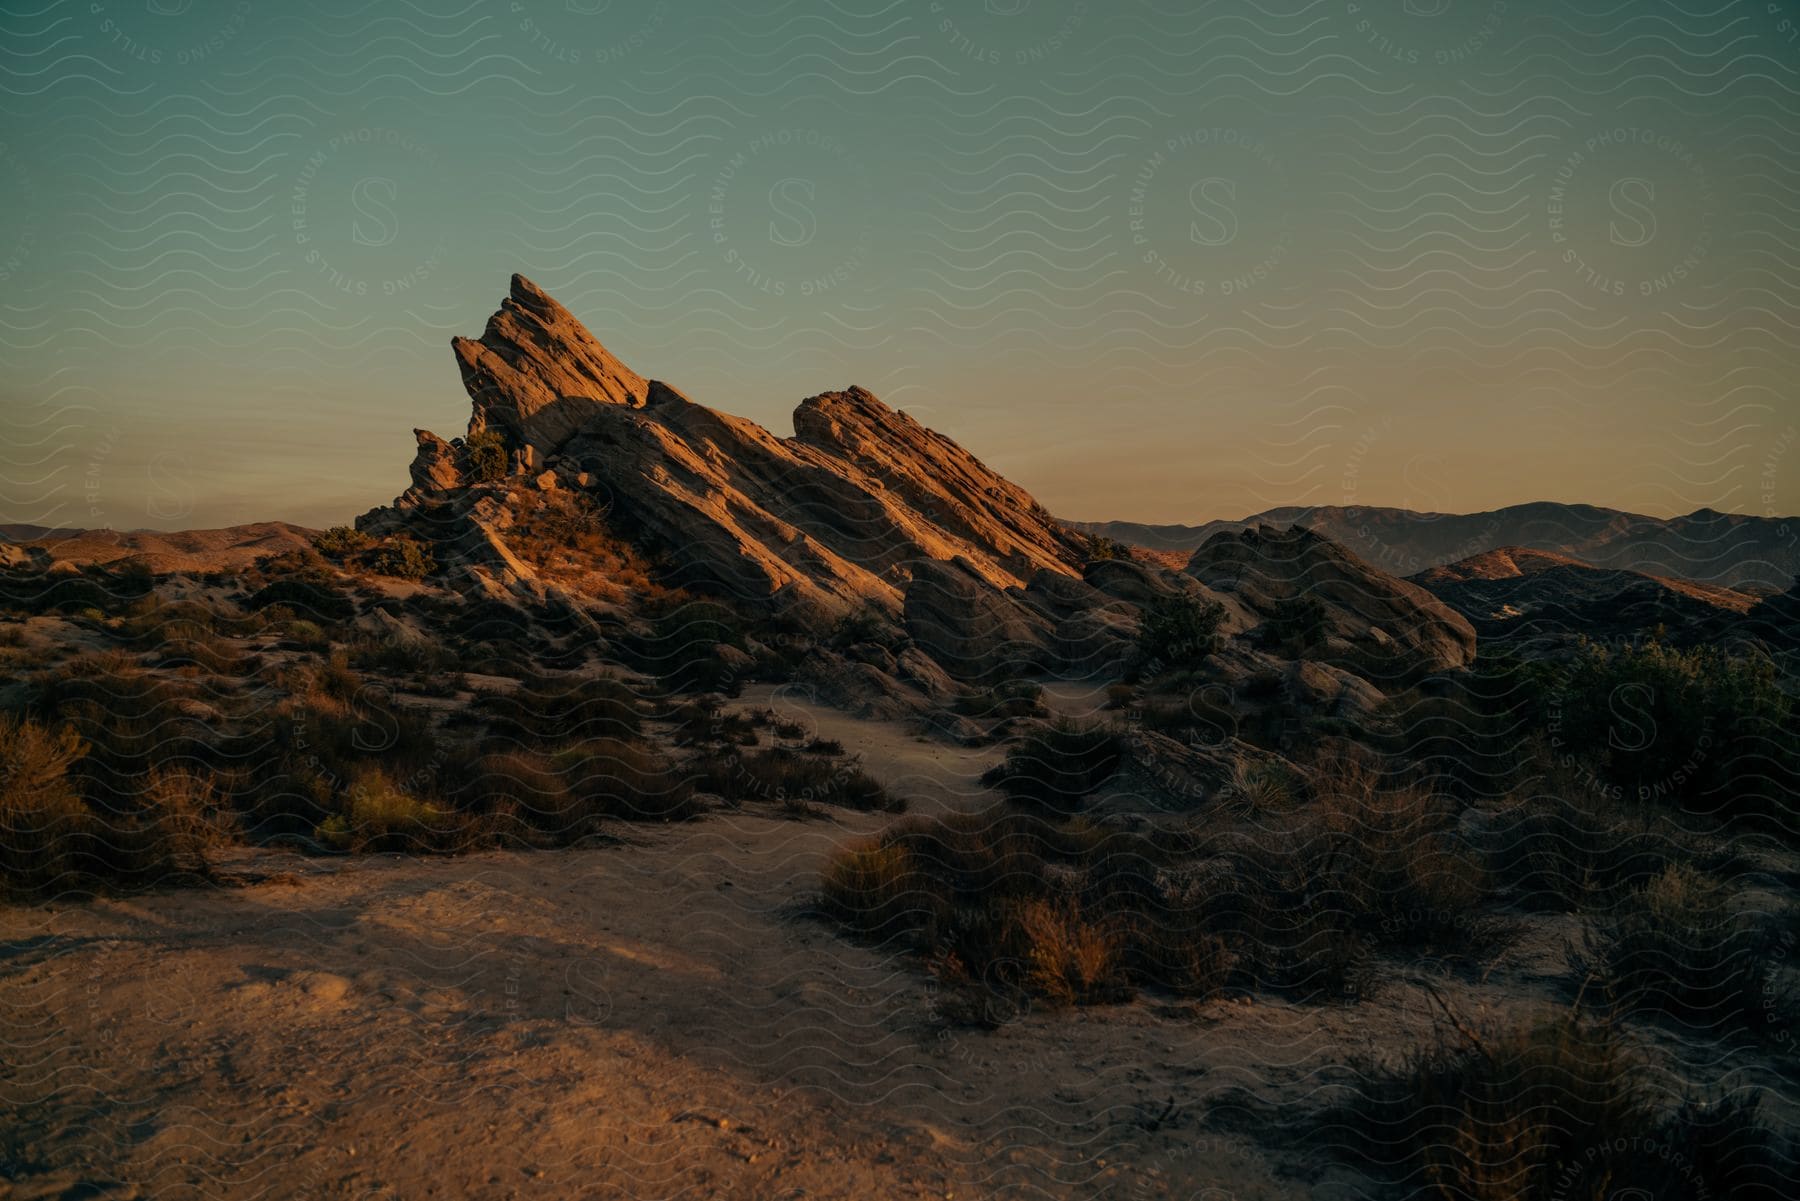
x: 1699, y: 727
x: 341, y: 541
x: 487, y: 455
x: 1299, y: 622
x: 1178, y: 631
x: 402, y: 558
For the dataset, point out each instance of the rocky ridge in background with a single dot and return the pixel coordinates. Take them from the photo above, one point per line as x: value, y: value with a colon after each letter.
x: 1734, y: 550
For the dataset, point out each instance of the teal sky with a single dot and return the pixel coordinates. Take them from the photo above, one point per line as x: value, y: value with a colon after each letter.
x: 1155, y: 261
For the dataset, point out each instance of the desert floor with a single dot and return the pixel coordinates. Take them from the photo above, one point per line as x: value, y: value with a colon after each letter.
x: 658, y: 1018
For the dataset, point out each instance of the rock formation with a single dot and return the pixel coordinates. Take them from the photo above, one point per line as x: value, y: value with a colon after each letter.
x: 1375, y: 624
x: 837, y: 517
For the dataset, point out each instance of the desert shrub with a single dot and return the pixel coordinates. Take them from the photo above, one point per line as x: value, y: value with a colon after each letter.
x: 546, y: 709
x: 52, y: 840
x: 1702, y: 727
x: 1299, y: 622
x: 564, y: 795
x: 868, y: 624
x: 487, y: 456
x: 1567, y: 850
x: 1068, y: 959
x: 1178, y: 631
x: 40, y: 814
x: 1555, y: 1108
x: 823, y: 746
x: 307, y: 755
x: 784, y: 774
x: 1057, y: 766
x: 704, y: 721
x: 1012, y: 698
x: 306, y: 635
x: 1677, y: 945
x: 1301, y: 902
x: 631, y: 781
x: 211, y: 656
x: 134, y: 721
x: 316, y: 600
x: 377, y: 815
x: 995, y: 902
x: 62, y: 594
x: 1306, y: 897
x: 1469, y: 731
x: 400, y: 557
x: 1097, y: 547
x: 341, y: 542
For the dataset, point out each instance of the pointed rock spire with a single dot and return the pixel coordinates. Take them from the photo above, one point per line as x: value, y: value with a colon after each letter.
x: 537, y: 375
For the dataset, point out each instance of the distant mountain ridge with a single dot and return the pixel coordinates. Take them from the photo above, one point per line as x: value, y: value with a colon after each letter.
x: 1728, y: 549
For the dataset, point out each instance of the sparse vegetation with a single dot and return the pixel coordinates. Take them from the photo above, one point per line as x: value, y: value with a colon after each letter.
x: 485, y: 451
x: 54, y: 841
x: 1013, y: 698
x: 1678, y: 945
x: 400, y: 557
x: 1178, y: 631
x: 341, y: 542
x: 1297, y: 901
x: 1557, y: 1107
x: 785, y: 774
x: 1299, y: 623
x: 1057, y: 765
x: 1701, y: 728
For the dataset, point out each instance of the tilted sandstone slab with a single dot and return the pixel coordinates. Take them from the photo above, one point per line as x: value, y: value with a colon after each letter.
x: 835, y: 517
x: 536, y: 375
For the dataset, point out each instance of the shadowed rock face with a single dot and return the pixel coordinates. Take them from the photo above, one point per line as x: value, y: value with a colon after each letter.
x: 837, y: 516
x: 1382, y: 627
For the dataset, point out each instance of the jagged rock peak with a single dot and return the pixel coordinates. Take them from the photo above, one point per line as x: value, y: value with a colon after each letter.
x: 536, y: 374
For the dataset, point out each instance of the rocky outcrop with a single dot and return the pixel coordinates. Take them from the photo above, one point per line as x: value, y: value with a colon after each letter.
x: 436, y: 466
x: 1374, y: 624
x: 839, y: 516
x: 536, y: 375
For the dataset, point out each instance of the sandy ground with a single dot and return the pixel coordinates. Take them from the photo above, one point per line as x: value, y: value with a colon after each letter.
x: 656, y: 1019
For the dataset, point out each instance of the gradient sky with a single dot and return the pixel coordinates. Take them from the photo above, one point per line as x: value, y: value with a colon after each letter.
x: 1155, y: 261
